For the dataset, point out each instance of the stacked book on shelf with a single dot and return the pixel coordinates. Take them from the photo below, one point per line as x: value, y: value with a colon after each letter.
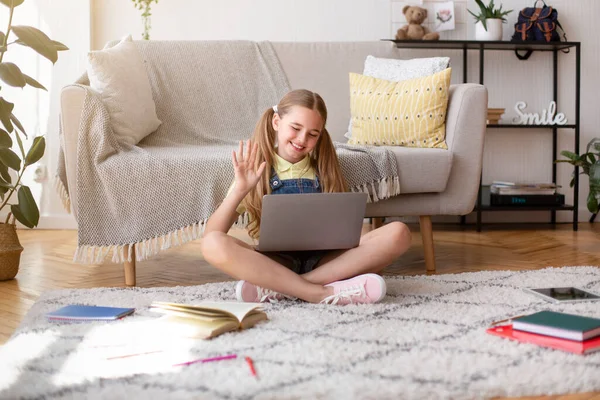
x: 568, y: 332
x: 525, y: 194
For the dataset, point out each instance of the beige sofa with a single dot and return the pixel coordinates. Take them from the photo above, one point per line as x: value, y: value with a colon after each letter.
x: 432, y: 181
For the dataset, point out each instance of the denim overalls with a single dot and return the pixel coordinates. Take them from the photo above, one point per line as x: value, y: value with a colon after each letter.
x: 293, y: 186
x: 298, y: 261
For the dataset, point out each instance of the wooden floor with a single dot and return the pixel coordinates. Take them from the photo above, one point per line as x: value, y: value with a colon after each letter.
x: 46, y: 263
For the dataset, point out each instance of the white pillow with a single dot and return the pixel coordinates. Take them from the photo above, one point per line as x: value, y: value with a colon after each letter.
x: 118, y: 74
x: 401, y: 70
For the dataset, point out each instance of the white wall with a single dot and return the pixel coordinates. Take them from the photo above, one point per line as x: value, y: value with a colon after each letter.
x: 509, y: 155
x: 67, y: 21
x: 283, y: 20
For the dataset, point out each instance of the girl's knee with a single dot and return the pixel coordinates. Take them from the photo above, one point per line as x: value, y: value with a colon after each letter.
x: 399, y: 235
x: 214, y: 247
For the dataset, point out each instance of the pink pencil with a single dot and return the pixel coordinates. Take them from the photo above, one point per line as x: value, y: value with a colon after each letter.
x: 203, y: 360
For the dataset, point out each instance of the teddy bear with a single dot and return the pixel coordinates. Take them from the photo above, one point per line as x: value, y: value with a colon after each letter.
x: 415, y: 16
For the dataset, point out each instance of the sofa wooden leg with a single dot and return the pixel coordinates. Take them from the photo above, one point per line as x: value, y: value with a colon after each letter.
x: 376, y: 222
x: 427, y: 235
x: 129, y: 267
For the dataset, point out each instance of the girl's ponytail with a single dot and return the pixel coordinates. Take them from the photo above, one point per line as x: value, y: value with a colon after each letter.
x: 327, y: 165
x: 264, y: 135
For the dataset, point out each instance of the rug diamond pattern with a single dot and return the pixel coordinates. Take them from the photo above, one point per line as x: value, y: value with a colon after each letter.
x: 425, y: 340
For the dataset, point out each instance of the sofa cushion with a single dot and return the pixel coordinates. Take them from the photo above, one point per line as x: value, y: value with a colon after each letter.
x: 422, y: 170
x: 401, y: 70
x: 409, y: 113
x: 391, y: 69
x: 118, y: 74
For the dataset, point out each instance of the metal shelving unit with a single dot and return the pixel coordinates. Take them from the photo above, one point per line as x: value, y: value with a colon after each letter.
x: 483, y: 204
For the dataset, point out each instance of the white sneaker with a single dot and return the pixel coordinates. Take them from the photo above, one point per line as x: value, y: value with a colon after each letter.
x: 247, y: 292
x: 362, y: 289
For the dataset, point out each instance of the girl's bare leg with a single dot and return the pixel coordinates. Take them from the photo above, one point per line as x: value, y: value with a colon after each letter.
x: 377, y: 249
x: 241, y: 261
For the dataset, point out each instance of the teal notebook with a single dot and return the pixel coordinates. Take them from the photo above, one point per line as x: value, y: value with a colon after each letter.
x: 566, y: 326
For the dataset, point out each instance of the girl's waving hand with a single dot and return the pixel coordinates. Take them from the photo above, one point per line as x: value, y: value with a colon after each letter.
x: 247, y: 175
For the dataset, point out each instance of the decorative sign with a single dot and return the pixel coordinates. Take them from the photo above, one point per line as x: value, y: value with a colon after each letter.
x: 444, y: 16
x: 548, y: 117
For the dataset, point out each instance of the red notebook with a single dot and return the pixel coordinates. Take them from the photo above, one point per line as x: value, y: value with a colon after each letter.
x: 572, y: 346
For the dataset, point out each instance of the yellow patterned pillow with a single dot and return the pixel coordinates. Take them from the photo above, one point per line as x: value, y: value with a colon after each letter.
x: 409, y: 113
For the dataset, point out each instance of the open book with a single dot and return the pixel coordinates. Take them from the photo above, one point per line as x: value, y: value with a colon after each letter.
x: 209, y: 319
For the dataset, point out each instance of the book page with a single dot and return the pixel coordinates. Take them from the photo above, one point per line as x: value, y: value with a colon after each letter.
x: 214, y: 309
x: 189, y: 313
x: 235, y: 308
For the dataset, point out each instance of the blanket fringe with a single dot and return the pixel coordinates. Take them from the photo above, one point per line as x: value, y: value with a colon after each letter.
x: 242, y: 221
x: 145, y: 249
x: 379, y: 190
x: 61, y: 190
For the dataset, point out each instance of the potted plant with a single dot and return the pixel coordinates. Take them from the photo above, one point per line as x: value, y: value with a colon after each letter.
x: 13, y: 164
x: 589, y: 162
x: 488, y: 21
x: 145, y: 6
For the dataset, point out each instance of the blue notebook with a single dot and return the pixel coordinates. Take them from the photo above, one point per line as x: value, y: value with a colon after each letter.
x: 88, y: 313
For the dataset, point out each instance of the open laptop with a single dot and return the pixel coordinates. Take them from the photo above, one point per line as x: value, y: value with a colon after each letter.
x: 311, y: 221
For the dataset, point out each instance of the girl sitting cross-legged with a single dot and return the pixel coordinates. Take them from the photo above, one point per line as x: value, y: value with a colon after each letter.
x: 292, y: 152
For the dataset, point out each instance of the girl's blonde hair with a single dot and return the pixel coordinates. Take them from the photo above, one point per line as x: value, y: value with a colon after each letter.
x: 323, y: 158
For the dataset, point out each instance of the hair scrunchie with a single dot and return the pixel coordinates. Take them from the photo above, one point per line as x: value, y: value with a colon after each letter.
x: 275, y: 109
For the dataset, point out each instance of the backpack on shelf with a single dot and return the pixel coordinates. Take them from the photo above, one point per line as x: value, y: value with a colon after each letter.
x: 537, y: 24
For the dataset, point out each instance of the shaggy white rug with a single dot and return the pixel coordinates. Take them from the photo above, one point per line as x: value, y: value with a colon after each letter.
x: 426, y: 340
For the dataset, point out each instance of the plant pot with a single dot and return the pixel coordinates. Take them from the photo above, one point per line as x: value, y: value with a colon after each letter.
x: 10, y: 252
x: 493, y: 32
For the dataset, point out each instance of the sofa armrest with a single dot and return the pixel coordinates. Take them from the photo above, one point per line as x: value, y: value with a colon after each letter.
x: 465, y: 134
x: 72, y: 98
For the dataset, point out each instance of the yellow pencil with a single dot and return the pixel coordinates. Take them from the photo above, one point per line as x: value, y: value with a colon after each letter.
x: 506, y: 320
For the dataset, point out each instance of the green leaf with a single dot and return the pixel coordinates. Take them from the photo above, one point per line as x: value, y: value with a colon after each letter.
x: 592, y: 203
x: 591, y: 157
x: 17, y: 123
x: 36, y: 151
x: 19, y: 216
x: 595, y: 175
x: 13, y: 3
x: 5, y: 113
x: 5, y: 140
x: 481, y: 6
x: 32, y: 82
x: 4, y: 173
x: 2, y: 37
x: 20, y: 143
x: 27, y: 206
x: 5, y: 185
x: 11, y: 74
x: 569, y: 155
x: 592, y: 143
x: 59, y: 46
x: 37, y: 40
x: 10, y: 159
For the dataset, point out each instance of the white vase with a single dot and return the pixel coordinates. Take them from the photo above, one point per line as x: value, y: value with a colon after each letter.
x: 493, y: 32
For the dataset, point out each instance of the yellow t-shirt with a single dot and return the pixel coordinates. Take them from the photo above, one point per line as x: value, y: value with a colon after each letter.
x: 286, y: 170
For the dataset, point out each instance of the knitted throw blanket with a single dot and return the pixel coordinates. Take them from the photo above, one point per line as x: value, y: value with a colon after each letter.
x: 161, y: 192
